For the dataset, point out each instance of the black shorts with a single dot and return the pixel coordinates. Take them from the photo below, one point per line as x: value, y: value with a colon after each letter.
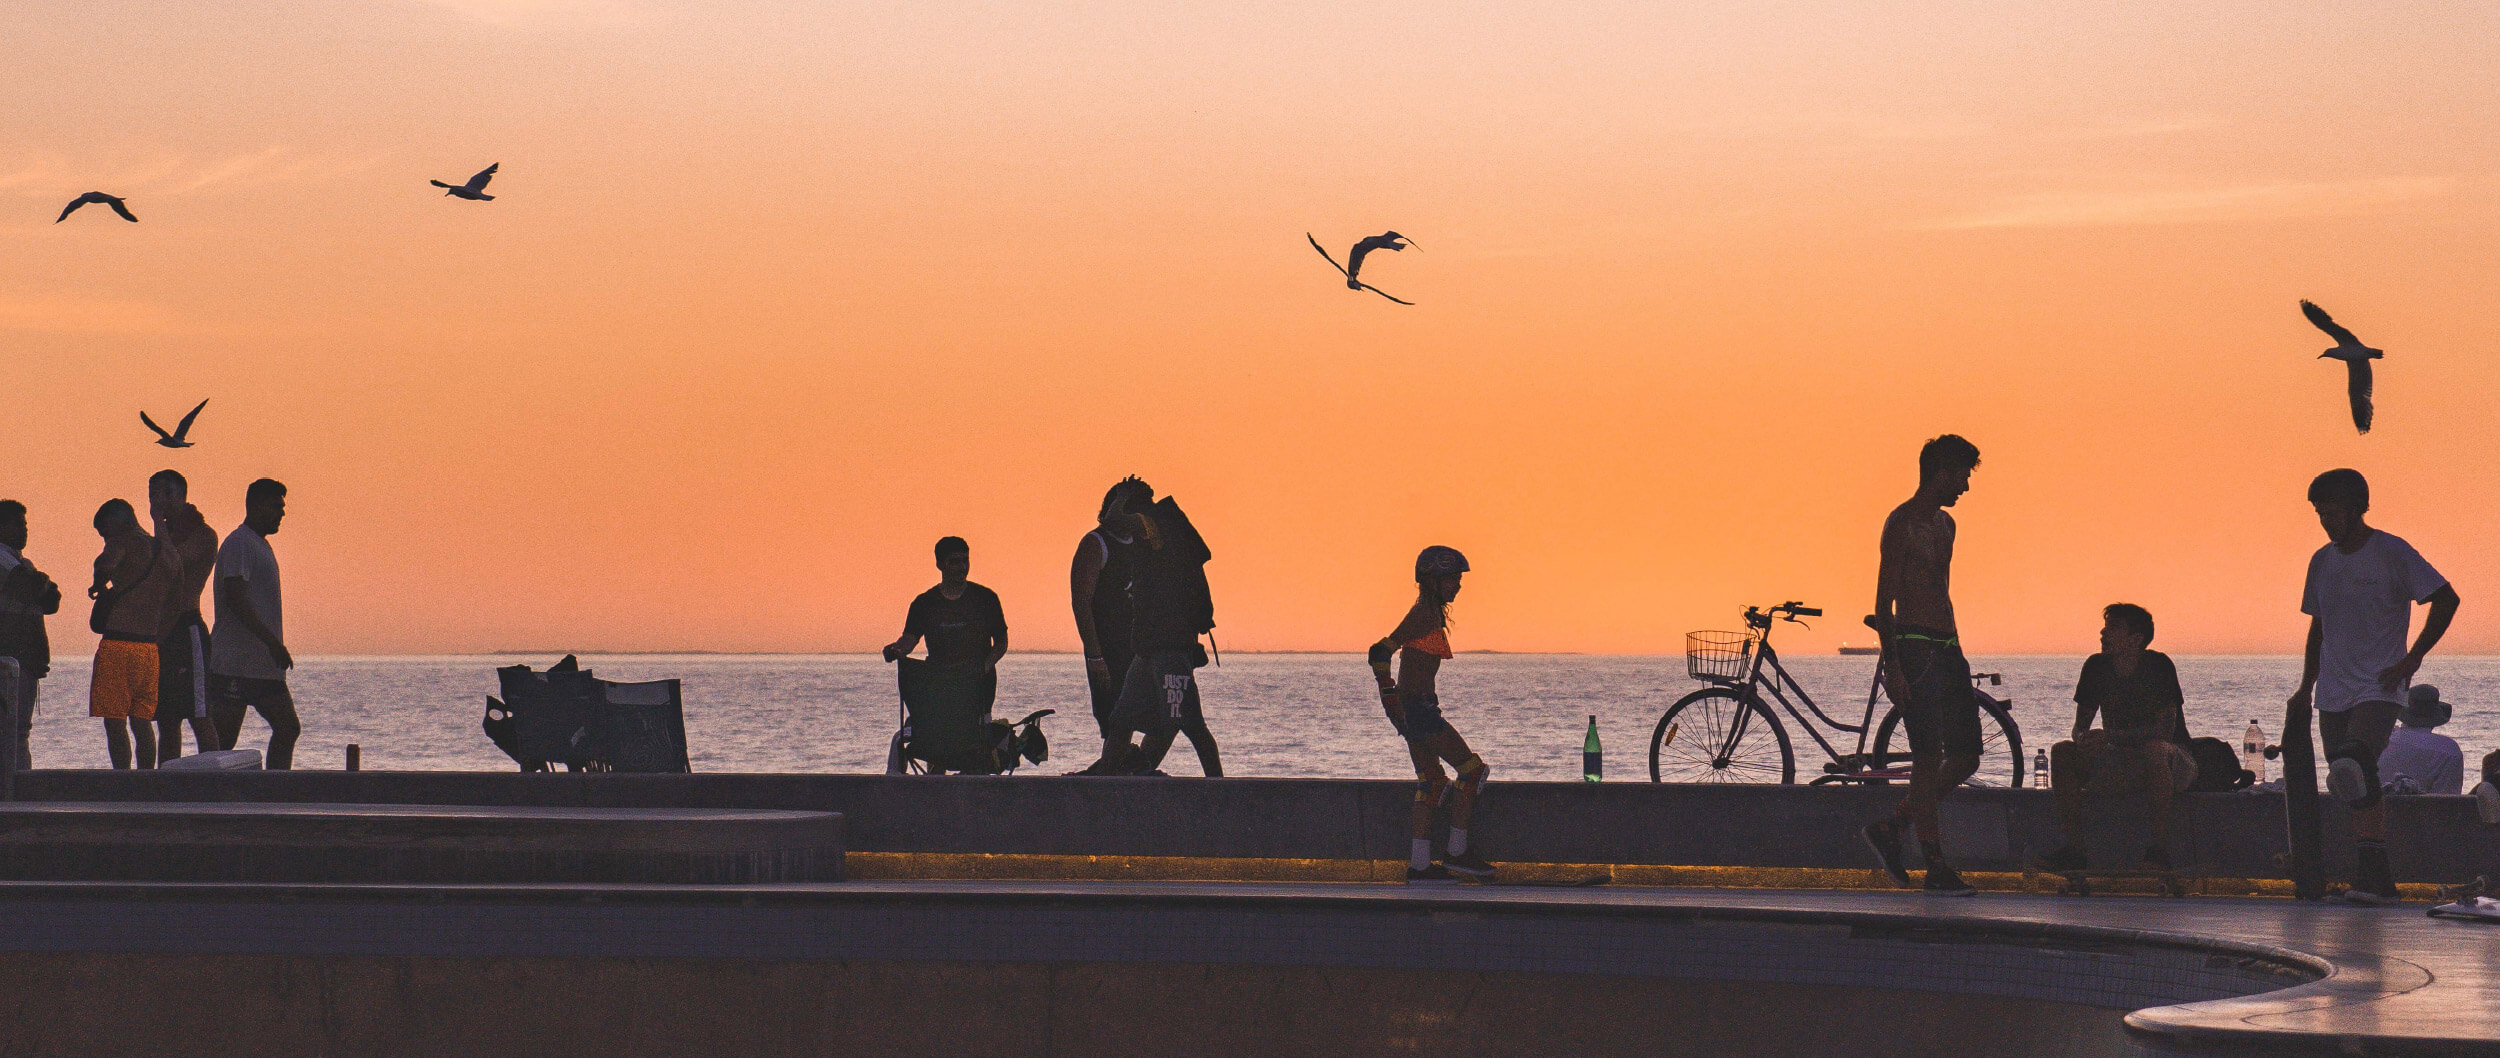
x: 2369, y: 723
x: 182, y: 673
x: 1159, y: 695
x: 1107, y: 691
x: 1942, y: 713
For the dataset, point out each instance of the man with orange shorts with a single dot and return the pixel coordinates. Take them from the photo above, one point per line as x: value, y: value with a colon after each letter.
x: 134, y: 581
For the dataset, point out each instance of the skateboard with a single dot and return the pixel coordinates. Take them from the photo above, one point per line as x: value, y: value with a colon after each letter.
x: 2079, y: 883
x: 2307, y: 861
x: 1558, y: 883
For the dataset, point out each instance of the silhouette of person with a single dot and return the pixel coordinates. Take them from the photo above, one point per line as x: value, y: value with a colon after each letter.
x: 2361, y: 589
x: 248, y: 658
x: 2138, y: 749
x: 1169, y: 608
x: 135, y: 581
x: 27, y: 596
x: 1098, y: 592
x: 2418, y: 759
x: 1924, y: 669
x: 1421, y: 642
x: 962, y: 621
x: 182, y: 656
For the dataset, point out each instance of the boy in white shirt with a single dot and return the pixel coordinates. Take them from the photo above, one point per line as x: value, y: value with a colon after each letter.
x: 2359, y: 598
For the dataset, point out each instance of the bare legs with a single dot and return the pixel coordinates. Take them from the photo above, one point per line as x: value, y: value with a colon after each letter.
x: 119, y: 734
x: 1428, y: 755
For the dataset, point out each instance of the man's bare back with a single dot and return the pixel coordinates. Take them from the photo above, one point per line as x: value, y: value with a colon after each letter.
x: 1914, y: 583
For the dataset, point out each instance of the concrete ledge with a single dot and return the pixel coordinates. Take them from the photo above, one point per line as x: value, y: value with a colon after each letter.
x: 2436, y: 840
x: 264, y: 842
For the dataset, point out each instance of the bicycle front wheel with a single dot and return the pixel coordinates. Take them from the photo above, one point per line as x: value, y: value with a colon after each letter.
x: 2001, y: 760
x: 1716, y: 735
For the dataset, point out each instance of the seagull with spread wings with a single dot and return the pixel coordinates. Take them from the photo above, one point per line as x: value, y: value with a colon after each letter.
x: 1353, y: 268
x: 180, y: 438
x: 93, y: 197
x: 475, y: 189
x: 2356, y: 358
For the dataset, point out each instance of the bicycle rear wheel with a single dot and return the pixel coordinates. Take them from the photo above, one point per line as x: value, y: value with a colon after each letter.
x: 2001, y: 760
x: 1700, y: 751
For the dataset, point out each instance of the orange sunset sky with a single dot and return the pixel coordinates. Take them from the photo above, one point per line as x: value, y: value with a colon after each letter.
x: 776, y: 293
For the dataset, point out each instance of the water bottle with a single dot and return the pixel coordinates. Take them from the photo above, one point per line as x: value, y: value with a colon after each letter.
x: 1592, y: 758
x: 2040, y: 769
x: 2253, y: 748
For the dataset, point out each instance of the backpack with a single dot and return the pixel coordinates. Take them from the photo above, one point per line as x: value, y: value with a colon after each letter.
x: 2217, y: 767
x: 1169, y: 592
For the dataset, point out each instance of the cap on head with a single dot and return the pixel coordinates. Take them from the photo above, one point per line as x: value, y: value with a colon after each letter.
x: 1439, y: 561
x: 2423, y: 707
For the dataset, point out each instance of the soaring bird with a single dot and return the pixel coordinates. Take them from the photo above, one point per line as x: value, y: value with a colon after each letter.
x: 2356, y: 358
x: 475, y: 189
x: 1353, y: 268
x: 178, y: 438
x: 96, y: 196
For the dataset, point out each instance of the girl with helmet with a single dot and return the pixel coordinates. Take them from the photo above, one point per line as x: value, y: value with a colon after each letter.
x: 1421, y: 643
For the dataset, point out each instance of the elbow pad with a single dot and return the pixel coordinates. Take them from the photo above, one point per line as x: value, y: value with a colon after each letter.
x: 1381, y: 652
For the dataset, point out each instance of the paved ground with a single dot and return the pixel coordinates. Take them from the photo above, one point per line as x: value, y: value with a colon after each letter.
x: 2396, y: 981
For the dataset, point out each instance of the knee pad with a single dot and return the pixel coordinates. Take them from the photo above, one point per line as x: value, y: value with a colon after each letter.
x: 2359, y: 753
x: 1433, y: 790
x: 1472, y: 774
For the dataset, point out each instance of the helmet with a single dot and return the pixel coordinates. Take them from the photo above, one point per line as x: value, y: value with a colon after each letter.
x: 1439, y: 561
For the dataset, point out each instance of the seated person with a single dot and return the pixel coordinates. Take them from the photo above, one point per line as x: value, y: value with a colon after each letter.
x: 2140, y: 748
x: 2419, y: 760
x: 967, y: 633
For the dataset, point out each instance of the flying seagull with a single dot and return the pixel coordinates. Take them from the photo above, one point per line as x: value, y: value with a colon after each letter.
x: 475, y: 189
x: 1353, y: 268
x: 178, y: 438
x: 2356, y: 358
x: 96, y: 196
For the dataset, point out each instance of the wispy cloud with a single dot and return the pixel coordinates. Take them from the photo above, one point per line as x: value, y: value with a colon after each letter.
x: 2196, y: 205
x: 50, y: 173
x: 84, y: 314
x: 535, y: 13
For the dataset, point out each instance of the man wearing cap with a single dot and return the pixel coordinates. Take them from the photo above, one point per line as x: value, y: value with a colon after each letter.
x: 2419, y: 760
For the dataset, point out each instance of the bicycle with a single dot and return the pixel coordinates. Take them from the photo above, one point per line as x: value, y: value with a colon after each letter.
x: 1727, y: 733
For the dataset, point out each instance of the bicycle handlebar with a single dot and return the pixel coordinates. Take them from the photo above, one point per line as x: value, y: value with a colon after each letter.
x: 1805, y: 611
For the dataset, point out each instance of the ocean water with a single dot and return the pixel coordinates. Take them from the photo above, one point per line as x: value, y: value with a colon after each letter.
x: 1273, y: 714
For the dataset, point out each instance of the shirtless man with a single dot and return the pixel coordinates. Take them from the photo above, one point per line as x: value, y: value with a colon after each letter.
x: 1924, y: 670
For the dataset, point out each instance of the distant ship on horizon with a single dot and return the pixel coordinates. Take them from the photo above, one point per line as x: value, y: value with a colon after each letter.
x: 1847, y: 649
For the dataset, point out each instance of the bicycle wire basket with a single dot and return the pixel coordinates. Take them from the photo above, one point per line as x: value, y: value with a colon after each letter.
x: 1720, y: 657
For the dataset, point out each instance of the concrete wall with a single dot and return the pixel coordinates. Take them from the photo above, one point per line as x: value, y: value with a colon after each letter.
x: 2435, y: 839
x: 184, y: 841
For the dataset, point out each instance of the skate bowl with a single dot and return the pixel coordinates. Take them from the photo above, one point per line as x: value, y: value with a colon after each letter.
x: 1130, y: 969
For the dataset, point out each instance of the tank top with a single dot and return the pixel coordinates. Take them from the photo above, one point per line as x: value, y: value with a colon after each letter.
x: 1112, y: 611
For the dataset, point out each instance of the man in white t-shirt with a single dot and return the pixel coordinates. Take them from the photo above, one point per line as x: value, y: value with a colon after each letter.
x: 247, y: 652
x: 2418, y: 759
x: 2359, y: 598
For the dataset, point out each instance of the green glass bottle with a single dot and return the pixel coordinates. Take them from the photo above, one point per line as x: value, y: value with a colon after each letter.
x: 1592, y: 757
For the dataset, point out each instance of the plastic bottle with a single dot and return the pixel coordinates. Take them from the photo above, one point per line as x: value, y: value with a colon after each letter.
x: 2040, y: 769
x: 1592, y: 758
x: 2253, y: 748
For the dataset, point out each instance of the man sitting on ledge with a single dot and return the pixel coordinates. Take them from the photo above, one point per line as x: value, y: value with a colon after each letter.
x: 2139, y: 749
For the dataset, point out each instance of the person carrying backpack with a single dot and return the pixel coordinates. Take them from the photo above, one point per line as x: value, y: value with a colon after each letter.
x: 1170, y: 606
